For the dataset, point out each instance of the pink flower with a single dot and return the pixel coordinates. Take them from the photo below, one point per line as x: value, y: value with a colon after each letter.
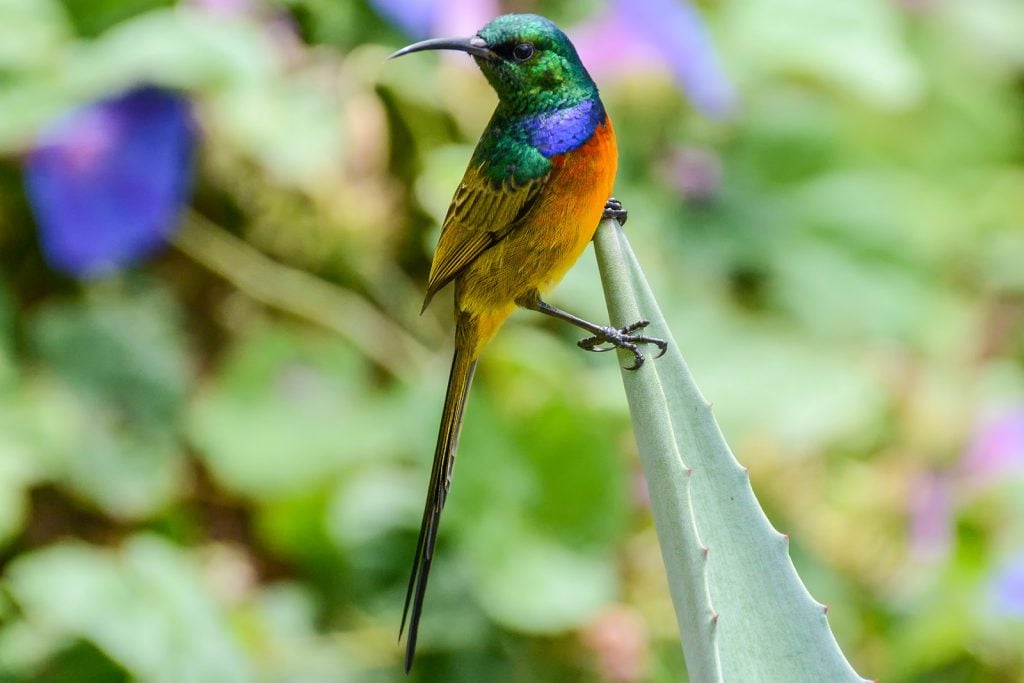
x: 997, y: 447
x: 637, y: 35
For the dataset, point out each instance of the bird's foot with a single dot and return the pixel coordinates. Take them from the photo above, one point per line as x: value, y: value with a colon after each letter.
x: 623, y: 338
x: 613, y: 209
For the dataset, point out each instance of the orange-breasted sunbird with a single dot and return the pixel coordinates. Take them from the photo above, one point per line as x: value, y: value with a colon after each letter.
x: 537, y: 185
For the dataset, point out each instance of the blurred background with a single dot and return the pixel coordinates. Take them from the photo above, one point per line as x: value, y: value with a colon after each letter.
x: 218, y: 401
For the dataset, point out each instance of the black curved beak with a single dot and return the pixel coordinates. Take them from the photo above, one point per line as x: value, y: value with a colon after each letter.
x: 475, y: 46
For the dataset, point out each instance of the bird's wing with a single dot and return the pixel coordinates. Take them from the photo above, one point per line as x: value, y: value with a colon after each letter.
x: 480, y: 215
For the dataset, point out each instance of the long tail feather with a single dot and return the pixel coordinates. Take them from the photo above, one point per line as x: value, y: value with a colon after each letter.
x: 459, y: 381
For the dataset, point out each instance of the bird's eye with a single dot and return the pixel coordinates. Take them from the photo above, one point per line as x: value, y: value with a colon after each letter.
x: 522, y: 52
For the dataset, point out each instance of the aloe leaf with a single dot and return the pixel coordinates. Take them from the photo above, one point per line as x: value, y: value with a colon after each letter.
x: 742, y: 610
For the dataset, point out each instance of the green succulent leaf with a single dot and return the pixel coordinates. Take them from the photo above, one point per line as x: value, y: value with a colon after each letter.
x: 742, y: 610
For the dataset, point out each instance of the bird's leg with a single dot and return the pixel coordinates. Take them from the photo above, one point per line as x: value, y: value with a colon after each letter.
x: 622, y: 338
x: 613, y: 209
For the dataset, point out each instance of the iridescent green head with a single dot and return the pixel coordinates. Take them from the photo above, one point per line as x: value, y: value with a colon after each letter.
x: 528, y: 61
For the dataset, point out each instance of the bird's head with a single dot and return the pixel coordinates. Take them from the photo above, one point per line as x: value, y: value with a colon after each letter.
x: 528, y: 61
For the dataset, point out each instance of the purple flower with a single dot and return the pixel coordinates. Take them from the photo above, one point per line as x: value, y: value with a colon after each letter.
x: 997, y: 448
x: 637, y: 34
x: 425, y: 18
x: 696, y: 173
x: 108, y: 180
x: 1007, y: 588
x: 931, y: 516
x: 224, y: 7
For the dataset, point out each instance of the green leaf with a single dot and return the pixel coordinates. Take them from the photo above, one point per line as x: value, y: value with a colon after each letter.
x: 288, y: 412
x: 123, y: 349
x: 81, y: 663
x: 528, y: 581
x: 46, y: 71
x: 852, y: 45
x: 92, y: 17
x: 144, y: 606
x: 372, y: 503
x: 30, y: 31
x: 581, y: 482
x: 174, y: 47
x: 121, y: 372
x: 282, y: 630
x: 130, y: 474
x: 26, y: 436
x: 17, y: 472
x: 537, y: 510
x: 743, y: 613
x: 7, y: 370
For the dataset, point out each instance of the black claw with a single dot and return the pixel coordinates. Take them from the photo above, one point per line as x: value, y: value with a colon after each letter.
x: 613, y: 209
x: 622, y: 338
x: 592, y: 344
x: 639, y: 359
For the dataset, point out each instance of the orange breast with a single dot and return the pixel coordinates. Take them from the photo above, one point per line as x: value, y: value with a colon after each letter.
x: 580, y: 185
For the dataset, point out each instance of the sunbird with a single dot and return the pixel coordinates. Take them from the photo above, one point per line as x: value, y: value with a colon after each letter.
x: 537, y: 185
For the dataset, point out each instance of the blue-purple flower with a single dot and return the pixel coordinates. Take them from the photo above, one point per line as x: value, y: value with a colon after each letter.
x: 415, y: 17
x: 107, y: 182
x: 1007, y: 588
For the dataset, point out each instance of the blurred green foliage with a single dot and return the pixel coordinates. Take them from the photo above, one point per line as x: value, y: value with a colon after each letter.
x: 203, y: 479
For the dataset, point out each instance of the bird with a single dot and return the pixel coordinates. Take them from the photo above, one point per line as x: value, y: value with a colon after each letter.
x: 537, y: 186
